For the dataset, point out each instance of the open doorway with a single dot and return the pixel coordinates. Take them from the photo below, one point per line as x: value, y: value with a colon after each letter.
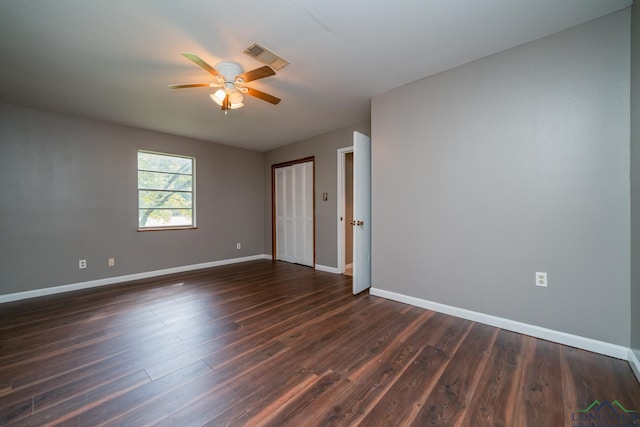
x: 345, y: 211
x: 348, y: 202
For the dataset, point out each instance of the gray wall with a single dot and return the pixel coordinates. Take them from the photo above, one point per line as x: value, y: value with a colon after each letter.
x: 68, y: 191
x: 512, y: 164
x: 635, y: 179
x: 324, y: 147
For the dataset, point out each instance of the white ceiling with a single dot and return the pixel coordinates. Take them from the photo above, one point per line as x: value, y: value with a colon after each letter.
x: 112, y: 60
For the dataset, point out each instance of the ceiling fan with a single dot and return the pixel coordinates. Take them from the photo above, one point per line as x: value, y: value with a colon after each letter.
x: 231, y: 80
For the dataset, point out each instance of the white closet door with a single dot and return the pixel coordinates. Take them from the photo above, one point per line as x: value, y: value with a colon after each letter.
x: 294, y: 213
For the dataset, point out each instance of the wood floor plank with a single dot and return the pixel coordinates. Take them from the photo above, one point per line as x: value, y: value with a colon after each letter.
x: 346, y: 402
x: 88, y: 377
x: 363, y: 344
x: 449, y: 400
x: 581, y: 387
x: 494, y: 399
x: 541, y: 388
x: 292, y: 403
x: 402, y: 402
x: 276, y: 344
x: 363, y: 389
x: 131, y: 400
x: 5, y: 383
x: 164, y: 408
x: 202, y: 408
x: 16, y: 411
x: 369, y: 393
x: 246, y: 338
x: 61, y: 363
x: 67, y: 408
x: 227, y: 367
x: 281, y: 379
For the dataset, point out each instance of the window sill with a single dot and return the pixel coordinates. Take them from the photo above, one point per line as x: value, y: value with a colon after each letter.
x: 166, y: 228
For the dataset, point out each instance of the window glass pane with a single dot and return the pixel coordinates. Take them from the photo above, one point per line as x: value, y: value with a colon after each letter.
x: 164, y: 217
x: 164, y: 163
x: 163, y: 181
x: 164, y: 199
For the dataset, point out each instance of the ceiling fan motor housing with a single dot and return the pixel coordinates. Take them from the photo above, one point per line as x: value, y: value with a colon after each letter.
x: 229, y: 70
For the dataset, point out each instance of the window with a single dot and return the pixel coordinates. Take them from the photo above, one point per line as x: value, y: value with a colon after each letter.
x: 166, y: 197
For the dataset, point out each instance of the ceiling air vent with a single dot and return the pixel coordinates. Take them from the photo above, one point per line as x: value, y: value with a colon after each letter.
x: 266, y: 56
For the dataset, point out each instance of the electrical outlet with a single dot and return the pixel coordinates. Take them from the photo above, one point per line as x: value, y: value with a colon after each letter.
x: 238, y: 245
x: 82, y: 264
x: 112, y: 262
x: 541, y: 279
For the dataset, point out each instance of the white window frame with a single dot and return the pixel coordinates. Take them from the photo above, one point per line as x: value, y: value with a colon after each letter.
x: 192, y: 192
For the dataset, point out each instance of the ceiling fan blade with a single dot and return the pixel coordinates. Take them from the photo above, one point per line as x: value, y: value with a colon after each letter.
x: 258, y: 73
x: 264, y: 96
x: 193, y: 85
x: 200, y: 62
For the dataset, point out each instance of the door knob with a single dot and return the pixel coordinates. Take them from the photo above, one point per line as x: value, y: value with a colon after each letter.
x: 359, y: 222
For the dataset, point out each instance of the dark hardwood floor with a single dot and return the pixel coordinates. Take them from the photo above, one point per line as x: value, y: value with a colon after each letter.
x: 276, y: 344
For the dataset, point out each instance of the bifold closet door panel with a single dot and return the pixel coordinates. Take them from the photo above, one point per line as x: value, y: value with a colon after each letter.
x: 294, y: 213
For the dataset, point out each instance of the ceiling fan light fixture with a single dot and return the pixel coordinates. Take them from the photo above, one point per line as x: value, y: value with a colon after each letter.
x: 235, y: 98
x: 218, y: 96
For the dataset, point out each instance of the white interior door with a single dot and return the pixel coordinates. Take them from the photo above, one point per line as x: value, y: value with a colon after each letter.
x: 361, y: 212
x: 294, y: 213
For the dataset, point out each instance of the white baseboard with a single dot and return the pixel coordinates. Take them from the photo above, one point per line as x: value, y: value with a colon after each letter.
x: 601, y: 347
x: 120, y: 279
x: 635, y: 363
x: 333, y: 270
